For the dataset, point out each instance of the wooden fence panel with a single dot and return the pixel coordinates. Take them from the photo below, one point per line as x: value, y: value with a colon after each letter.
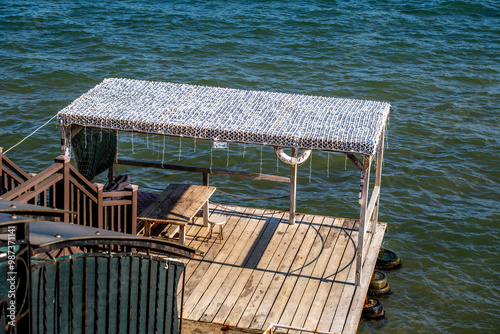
x: 62, y: 186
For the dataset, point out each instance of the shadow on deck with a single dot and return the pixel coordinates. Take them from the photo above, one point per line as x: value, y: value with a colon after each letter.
x: 267, y: 271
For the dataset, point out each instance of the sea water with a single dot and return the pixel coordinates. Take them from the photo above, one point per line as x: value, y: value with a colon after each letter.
x: 437, y: 62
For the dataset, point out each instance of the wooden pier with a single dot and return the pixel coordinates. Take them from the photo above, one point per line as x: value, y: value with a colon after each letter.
x: 267, y: 271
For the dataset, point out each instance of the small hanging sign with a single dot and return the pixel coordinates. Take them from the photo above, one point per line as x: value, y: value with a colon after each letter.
x: 220, y: 144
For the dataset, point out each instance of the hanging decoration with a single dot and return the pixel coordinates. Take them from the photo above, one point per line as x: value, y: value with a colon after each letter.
x: 180, y: 148
x: 133, y: 142
x: 310, y: 168
x: 219, y: 144
x: 211, y: 158
x: 261, y: 159
x: 328, y: 166
x: 163, y: 153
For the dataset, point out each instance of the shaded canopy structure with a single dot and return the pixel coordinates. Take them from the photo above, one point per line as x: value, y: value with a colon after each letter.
x: 232, y: 115
x: 241, y: 116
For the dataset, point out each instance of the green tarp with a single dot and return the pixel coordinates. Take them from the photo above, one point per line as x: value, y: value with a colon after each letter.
x: 106, y: 294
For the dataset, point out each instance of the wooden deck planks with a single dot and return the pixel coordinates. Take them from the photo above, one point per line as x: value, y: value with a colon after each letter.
x: 240, y: 290
x: 267, y: 271
x: 340, y: 280
x: 257, y: 242
x: 270, y: 300
x: 207, y: 270
x: 352, y: 321
x: 295, y: 271
x: 311, y: 304
x: 250, y: 280
x: 313, y: 260
x: 235, y: 253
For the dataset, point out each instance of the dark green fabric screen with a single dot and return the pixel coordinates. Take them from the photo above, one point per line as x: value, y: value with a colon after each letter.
x: 106, y: 294
x: 94, y: 150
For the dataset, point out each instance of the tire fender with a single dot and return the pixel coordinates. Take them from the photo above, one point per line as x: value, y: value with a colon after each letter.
x: 301, y: 158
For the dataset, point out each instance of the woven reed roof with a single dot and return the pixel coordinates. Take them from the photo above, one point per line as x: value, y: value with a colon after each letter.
x: 212, y: 113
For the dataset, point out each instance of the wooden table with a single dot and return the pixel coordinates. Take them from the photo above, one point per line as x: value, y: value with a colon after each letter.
x: 177, y: 205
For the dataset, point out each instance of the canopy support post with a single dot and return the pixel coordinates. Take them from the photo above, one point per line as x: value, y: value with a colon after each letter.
x: 363, y: 218
x: 293, y: 190
x: 65, y: 140
x: 206, y: 181
x: 378, y: 178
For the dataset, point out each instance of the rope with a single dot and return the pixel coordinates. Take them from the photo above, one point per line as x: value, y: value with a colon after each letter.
x: 32, y: 133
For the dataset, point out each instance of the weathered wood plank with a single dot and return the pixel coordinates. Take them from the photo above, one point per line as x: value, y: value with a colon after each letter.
x: 295, y: 271
x: 178, y: 203
x: 205, y: 170
x: 257, y: 241
x: 236, y: 295
x: 321, y: 230
x: 270, y: 272
x: 247, y: 283
x: 276, y: 284
x: 356, y: 307
x: 323, y: 286
x: 212, y: 251
x: 348, y: 293
x: 236, y: 257
x: 343, y: 279
x: 229, y: 247
x: 329, y: 235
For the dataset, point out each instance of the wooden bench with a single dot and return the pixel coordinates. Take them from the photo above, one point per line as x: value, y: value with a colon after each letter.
x: 176, y: 206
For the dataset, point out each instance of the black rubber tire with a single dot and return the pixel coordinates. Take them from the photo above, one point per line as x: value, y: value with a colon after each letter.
x: 387, y: 259
x: 378, y: 281
x: 379, y: 292
x: 372, y: 308
x: 377, y: 316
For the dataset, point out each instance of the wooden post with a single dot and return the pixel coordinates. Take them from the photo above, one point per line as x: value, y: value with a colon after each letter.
x: 100, y: 205
x: 293, y: 190
x: 64, y: 141
x: 206, y: 182
x: 64, y: 192
x: 378, y: 178
x: 131, y: 228
x: 2, y: 186
x: 365, y: 183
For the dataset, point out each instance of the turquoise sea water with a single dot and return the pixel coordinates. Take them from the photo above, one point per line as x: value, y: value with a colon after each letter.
x: 436, y: 62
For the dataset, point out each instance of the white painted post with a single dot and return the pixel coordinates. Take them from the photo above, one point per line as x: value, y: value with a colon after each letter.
x: 64, y: 141
x: 378, y: 178
x: 293, y: 190
x: 365, y: 183
x: 206, y: 182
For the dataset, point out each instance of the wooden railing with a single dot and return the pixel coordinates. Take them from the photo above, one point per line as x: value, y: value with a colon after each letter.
x: 10, y: 174
x: 62, y: 186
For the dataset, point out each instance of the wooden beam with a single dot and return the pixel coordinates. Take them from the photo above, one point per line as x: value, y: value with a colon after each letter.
x: 365, y: 183
x: 204, y: 170
x: 373, y: 202
x: 355, y: 161
x: 206, y: 183
x: 73, y: 133
x: 293, y: 190
x: 378, y: 176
